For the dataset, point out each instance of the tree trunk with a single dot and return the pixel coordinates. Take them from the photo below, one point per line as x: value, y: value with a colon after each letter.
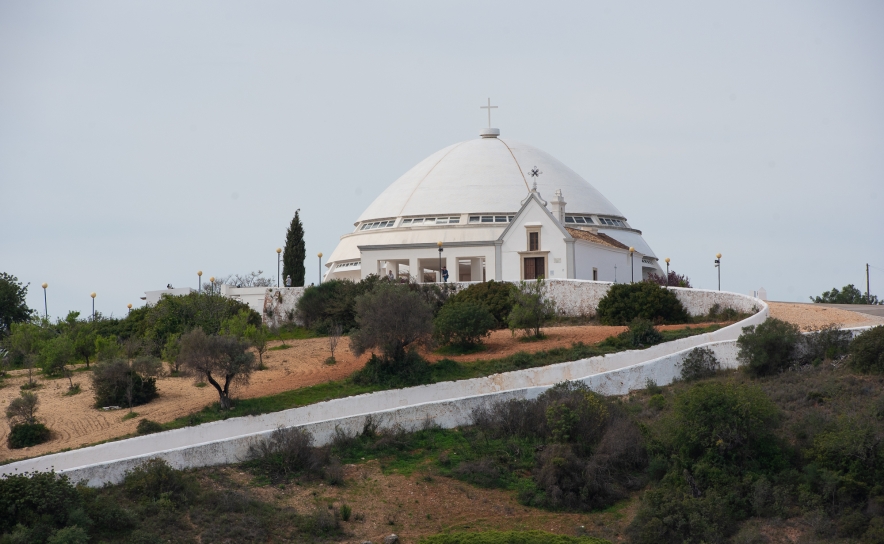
x: 223, y: 392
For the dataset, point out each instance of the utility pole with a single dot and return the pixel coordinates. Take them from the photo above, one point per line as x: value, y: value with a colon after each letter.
x: 868, y: 291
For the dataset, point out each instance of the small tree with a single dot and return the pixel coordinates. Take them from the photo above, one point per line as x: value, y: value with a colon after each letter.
x: 23, y: 409
x: 391, y: 318
x: 118, y: 382
x: 171, y: 351
x: 294, y: 252
x: 107, y: 348
x: 224, y: 357
x: 13, y: 308
x: 532, y: 308
x: 867, y: 351
x: 56, y: 354
x: 848, y: 294
x: 24, y: 343
x: 463, y: 324
x: 625, y: 301
x: 334, y: 336
x: 257, y: 337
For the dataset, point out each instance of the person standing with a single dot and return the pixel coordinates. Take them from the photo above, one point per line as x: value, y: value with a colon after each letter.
x: 445, y: 274
x: 288, y: 281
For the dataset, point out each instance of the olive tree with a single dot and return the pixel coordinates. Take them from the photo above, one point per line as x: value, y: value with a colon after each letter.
x: 220, y: 360
x: 391, y: 318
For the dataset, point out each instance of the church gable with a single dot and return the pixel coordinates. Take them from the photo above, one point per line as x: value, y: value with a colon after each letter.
x: 535, y: 244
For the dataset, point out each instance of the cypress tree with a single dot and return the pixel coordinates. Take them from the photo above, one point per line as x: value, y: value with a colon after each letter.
x: 294, y: 252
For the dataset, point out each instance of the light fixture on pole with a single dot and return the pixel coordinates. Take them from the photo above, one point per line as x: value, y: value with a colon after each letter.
x: 92, y: 294
x: 278, y: 259
x: 212, y: 283
x: 439, y: 243
x: 130, y: 307
x: 319, y: 255
x: 632, y: 264
x: 718, y: 266
x: 199, y: 274
x: 667, y: 271
x: 45, y: 306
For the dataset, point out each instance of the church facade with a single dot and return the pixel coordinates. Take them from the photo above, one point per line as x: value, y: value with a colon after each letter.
x: 477, y: 210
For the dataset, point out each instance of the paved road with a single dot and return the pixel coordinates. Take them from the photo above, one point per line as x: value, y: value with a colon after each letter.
x: 861, y: 308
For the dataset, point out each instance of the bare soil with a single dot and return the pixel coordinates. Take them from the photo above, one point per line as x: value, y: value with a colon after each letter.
x: 813, y: 318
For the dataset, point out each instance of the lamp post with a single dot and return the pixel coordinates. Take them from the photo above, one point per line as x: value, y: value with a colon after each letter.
x: 667, y: 271
x: 92, y: 294
x: 212, y: 283
x: 439, y: 243
x: 319, y: 255
x: 718, y: 266
x: 45, y: 307
x: 130, y: 308
x: 199, y: 274
x: 278, y: 259
x: 632, y: 264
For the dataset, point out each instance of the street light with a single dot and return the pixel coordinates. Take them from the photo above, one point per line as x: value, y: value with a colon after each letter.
x: 320, y: 267
x: 439, y: 243
x: 632, y: 264
x: 667, y: 271
x: 130, y: 307
x: 45, y: 307
x: 199, y: 273
x: 212, y: 282
x: 278, y: 259
x: 92, y: 294
x: 718, y: 266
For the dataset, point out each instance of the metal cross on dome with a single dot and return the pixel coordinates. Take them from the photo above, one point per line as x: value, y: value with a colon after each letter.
x: 489, y: 107
x: 534, y: 172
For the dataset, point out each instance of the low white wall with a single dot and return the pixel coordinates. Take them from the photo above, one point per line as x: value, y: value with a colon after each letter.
x: 223, y: 441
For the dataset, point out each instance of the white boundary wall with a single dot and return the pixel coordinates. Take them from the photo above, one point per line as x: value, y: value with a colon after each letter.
x: 449, y: 404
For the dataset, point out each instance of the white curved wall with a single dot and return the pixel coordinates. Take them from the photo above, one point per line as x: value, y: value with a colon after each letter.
x: 448, y: 403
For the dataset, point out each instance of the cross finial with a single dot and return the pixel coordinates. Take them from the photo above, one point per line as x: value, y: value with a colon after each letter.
x: 489, y: 107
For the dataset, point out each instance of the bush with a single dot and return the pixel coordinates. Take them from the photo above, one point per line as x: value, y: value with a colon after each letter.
x: 867, y: 351
x: 463, y: 324
x: 768, y: 348
x: 155, y: 479
x: 641, y: 334
x: 495, y: 295
x: 69, y: 535
x: 23, y: 409
x: 25, y: 435
x: 627, y: 301
x: 698, y: 364
x: 115, y: 381
x: 532, y: 308
x: 146, y: 426
x: 286, y: 453
x: 334, y: 301
x: 674, y: 280
x: 29, y: 498
x: 830, y: 342
x: 410, y: 369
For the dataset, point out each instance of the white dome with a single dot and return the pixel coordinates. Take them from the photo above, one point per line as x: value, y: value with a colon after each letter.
x: 485, y: 175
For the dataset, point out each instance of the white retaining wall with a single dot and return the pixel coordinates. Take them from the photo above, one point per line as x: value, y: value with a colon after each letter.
x: 449, y: 404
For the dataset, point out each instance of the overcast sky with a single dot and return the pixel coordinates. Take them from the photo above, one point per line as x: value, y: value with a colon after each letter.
x: 143, y: 141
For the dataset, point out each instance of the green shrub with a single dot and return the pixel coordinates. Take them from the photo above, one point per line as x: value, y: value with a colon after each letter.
x: 627, y: 301
x: 497, y: 296
x: 410, y: 369
x: 391, y: 318
x: 346, y: 511
x: 33, y: 497
x: 146, y: 426
x: 334, y: 301
x: 509, y: 537
x: 69, y: 535
x: 532, y: 308
x: 641, y: 334
x: 867, y: 351
x: 768, y: 348
x: 155, y: 479
x: 463, y: 324
x: 114, y: 381
x: 830, y: 342
x: 179, y: 314
x: 287, y: 453
x: 25, y: 435
x: 55, y: 355
x: 699, y: 363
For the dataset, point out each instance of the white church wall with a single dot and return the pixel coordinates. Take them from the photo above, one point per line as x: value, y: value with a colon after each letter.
x: 253, y: 296
x: 449, y: 403
x: 612, y: 265
x: 516, y: 241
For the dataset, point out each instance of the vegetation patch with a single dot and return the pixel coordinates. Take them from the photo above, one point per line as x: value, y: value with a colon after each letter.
x: 510, y: 537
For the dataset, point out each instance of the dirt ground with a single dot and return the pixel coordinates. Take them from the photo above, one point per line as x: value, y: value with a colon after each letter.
x: 811, y: 318
x: 421, y: 504
x: 75, y: 422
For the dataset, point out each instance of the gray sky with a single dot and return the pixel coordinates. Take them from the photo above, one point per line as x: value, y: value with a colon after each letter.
x: 143, y: 141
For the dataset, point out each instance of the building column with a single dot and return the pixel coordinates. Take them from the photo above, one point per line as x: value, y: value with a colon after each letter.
x: 413, y: 271
x: 476, y: 269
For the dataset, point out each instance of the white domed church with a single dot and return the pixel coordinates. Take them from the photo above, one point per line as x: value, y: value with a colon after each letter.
x: 497, y: 209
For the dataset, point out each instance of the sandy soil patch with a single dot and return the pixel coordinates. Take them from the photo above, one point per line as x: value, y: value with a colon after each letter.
x: 812, y: 318
x: 76, y: 423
